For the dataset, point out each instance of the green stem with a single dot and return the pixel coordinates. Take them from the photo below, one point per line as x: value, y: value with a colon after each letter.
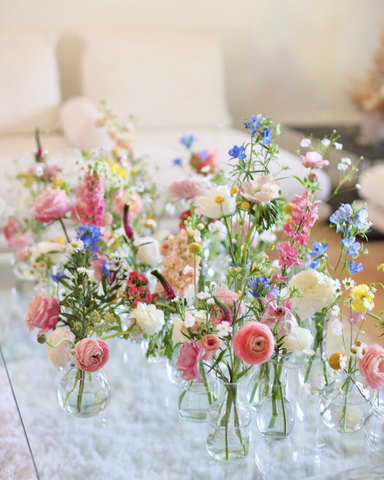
x: 211, y: 396
x: 65, y: 231
x: 58, y: 343
x: 81, y: 390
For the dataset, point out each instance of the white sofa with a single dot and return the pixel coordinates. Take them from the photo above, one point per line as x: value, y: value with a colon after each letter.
x: 172, y: 82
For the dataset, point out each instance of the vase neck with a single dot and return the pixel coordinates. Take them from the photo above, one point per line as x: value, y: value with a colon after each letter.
x: 229, y: 391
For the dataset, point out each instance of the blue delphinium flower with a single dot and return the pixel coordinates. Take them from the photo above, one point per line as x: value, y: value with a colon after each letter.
x: 177, y: 162
x: 351, y: 246
x: 267, y: 136
x: 314, y: 264
x: 187, y: 140
x: 90, y: 235
x: 361, y: 221
x: 355, y: 268
x: 106, y: 268
x: 237, y: 152
x: 254, y: 124
x: 318, y: 249
x: 204, y: 155
x: 343, y: 214
x: 257, y: 284
x: 56, y: 277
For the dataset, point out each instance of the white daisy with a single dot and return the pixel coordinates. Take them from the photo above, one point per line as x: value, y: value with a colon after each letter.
x: 75, y: 246
x: 335, y: 311
x: 359, y: 349
x: 348, y: 283
x: 343, y: 361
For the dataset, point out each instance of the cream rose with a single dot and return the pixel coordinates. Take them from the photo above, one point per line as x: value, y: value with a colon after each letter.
x: 217, y: 203
x: 148, y: 252
x: 299, y: 340
x: 318, y: 292
x: 59, y: 355
x: 148, y: 317
x: 55, y: 251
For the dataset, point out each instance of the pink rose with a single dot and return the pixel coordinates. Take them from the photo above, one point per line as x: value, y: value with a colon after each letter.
x: 254, y: 343
x: 21, y: 241
x: 91, y: 354
x: 189, y: 358
x: 42, y: 312
x: 211, y: 342
x: 187, y: 188
x: 371, y: 367
x: 313, y: 160
x: 11, y: 229
x: 122, y: 197
x: 50, y: 205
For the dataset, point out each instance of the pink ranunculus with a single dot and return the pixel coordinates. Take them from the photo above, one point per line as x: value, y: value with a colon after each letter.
x: 188, y: 362
x: 50, y: 205
x: 313, y: 160
x: 371, y: 367
x: 11, y: 229
x: 354, y: 317
x: 24, y: 254
x: 122, y: 197
x: 91, y: 354
x: 279, y: 314
x: 21, y: 241
x: 42, y: 312
x: 254, y: 343
x: 211, y: 342
x: 262, y: 190
x: 187, y: 188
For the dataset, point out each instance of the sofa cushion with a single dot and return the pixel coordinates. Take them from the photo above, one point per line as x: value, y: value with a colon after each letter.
x: 29, y: 81
x: 133, y: 70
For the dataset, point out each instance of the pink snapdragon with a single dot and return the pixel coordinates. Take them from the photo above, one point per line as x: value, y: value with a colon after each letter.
x: 93, y: 196
x: 288, y: 254
x: 188, y: 361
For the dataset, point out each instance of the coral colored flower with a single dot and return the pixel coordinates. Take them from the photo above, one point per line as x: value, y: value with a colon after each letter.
x: 59, y: 355
x: 205, y: 162
x: 91, y: 354
x: 11, y: 229
x: 50, y: 205
x: 122, y: 197
x: 254, y: 343
x: 371, y: 367
x: 211, y: 342
x: 262, y: 190
x: 313, y: 160
x: 188, y: 361
x: 187, y: 189
x: 42, y: 312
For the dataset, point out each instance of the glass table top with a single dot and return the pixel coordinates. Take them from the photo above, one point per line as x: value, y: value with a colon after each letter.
x: 139, y: 436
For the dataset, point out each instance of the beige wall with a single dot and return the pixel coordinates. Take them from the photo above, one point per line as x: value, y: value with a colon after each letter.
x: 292, y: 59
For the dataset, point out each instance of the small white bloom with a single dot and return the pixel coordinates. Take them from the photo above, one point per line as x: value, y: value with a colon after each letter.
x: 321, y: 382
x: 305, y: 142
x: 203, y: 295
x: 211, y: 301
x: 358, y: 186
x: 343, y: 361
x: 367, y: 304
x: 75, y: 246
x: 326, y: 142
x: 342, y: 167
x: 206, y: 169
x: 224, y: 329
x: 39, y: 170
x: 337, y: 284
x: 305, y: 390
x: 338, y: 146
x: 359, y: 350
x: 82, y: 270
x: 217, y: 227
x: 335, y: 311
x: 89, y: 272
x: 119, y: 255
x: 148, y: 251
x: 346, y: 161
x: 336, y: 327
x: 170, y: 209
x: 348, y: 283
x: 189, y: 321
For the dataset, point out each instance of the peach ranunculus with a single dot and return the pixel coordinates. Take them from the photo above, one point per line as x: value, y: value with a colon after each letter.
x: 50, y: 205
x: 188, y: 361
x: 91, y: 354
x: 254, y: 343
x: 122, y: 197
x: 205, y: 162
x: 313, y: 160
x: 211, y: 342
x: 262, y: 190
x: 371, y: 367
x: 42, y: 312
x: 59, y: 355
x: 187, y: 189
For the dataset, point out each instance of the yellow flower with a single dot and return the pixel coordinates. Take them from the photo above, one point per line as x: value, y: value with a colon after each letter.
x: 29, y: 181
x: 334, y: 361
x: 195, y: 248
x: 115, y: 244
x: 253, y: 267
x: 116, y: 150
x: 219, y: 199
x: 381, y: 267
x: 234, y: 190
x: 58, y: 182
x: 362, y: 298
x: 288, y: 219
x: 288, y: 209
x: 134, y: 170
x: 245, y: 205
x: 120, y: 170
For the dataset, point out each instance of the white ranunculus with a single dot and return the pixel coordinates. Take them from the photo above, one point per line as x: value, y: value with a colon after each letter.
x: 148, y: 252
x: 299, y: 340
x: 179, y: 330
x: 55, y: 251
x: 318, y: 290
x: 148, y: 317
x: 209, y: 207
x: 59, y: 355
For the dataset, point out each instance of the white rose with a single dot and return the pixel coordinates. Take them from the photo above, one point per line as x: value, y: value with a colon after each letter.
x: 318, y: 292
x: 299, y: 340
x: 148, y: 317
x: 59, y: 355
x: 55, y: 251
x: 209, y: 207
x: 148, y: 254
x: 179, y: 330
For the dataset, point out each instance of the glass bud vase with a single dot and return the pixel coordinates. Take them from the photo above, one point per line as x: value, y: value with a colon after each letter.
x: 345, y: 405
x: 228, y: 426
x: 316, y: 370
x: 275, y: 415
x: 259, y: 385
x: 84, y: 394
x: 196, y: 397
x: 379, y: 404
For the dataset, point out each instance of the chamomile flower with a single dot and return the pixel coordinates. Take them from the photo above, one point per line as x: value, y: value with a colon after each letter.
x: 75, y: 246
x: 348, y: 283
x: 359, y: 349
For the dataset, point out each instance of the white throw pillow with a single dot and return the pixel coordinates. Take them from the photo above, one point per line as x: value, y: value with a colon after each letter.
x: 165, y: 79
x: 29, y: 81
x: 78, y: 117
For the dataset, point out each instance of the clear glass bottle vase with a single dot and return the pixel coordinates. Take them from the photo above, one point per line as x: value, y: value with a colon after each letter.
x: 259, y: 385
x: 345, y: 405
x: 84, y: 394
x: 275, y: 415
x: 228, y: 426
x: 316, y: 370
